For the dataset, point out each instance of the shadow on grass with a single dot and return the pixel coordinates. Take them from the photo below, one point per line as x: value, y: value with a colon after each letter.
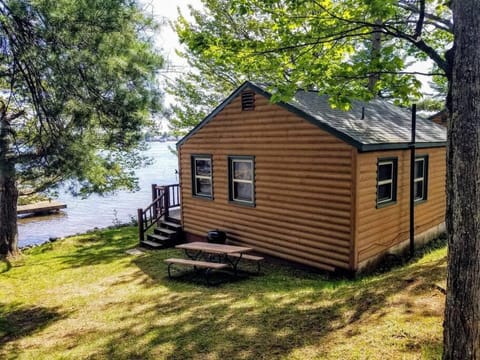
x: 267, y: 316
x: 109, y: 246
x: 213, y: 279
x: 19, y: 321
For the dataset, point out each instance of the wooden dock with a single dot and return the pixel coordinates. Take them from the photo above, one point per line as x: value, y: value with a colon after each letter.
x: 40, y: 207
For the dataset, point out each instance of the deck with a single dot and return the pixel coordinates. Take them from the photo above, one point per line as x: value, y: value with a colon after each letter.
x: 176, y: 214
x: 40, y: 207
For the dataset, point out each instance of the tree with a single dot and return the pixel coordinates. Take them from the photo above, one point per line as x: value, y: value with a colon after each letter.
x: 77, y: 81
x: 205, y: 84
x: 363, y: 49
x: 462, y: 315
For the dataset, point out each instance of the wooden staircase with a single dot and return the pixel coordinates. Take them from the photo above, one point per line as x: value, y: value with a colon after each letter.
x: 166, y: 234
x: 160, y: 215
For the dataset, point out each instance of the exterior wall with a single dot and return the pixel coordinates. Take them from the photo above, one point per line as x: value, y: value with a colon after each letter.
x: 385, y: 229
x: 303, y: 184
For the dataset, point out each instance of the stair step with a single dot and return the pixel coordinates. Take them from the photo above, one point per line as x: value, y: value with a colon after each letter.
x: 171, y: 224
x: 151, y: 243
x: 158, y: 238
x: 161, y: 231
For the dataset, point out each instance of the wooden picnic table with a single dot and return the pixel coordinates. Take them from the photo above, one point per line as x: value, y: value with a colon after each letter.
x: 209, y: 256
x: 218, y: 253
x: 212, y: 248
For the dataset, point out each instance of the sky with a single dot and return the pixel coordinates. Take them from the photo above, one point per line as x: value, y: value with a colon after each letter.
x: 165, y: 11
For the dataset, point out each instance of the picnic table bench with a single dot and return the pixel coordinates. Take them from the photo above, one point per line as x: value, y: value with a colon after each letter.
x: 197, y: 264
x: 254, y: 258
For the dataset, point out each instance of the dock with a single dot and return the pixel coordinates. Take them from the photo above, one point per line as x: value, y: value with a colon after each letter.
x: 40, y: 207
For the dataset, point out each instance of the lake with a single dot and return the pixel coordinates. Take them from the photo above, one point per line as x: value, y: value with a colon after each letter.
x: 102, y: 211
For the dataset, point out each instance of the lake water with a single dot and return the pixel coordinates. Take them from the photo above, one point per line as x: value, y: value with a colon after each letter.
x: 102, y: 211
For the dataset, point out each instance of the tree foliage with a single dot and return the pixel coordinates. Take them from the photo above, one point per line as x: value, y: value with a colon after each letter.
x: 78, y: 76
x: 348, y: 49
x: 77, y: 82
x: 207, y: 81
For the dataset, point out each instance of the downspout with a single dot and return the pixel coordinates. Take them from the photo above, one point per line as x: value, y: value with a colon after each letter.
x: 412, y: 181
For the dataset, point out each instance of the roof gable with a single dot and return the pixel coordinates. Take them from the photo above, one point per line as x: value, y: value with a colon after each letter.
x: 383, y: 126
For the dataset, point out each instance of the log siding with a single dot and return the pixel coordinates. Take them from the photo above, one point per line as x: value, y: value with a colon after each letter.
x: 380, y: 228
x: 315, y: 195
x: 303, y: 185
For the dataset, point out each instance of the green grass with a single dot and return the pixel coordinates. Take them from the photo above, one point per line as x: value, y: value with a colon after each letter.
x: 85, y: 298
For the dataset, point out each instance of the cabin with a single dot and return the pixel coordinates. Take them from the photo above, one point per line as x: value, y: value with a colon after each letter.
x: 440, y: 117
x: 306, y: 183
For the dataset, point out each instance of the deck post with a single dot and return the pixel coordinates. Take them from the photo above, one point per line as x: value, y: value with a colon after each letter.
x: 166, y: 201
x: 154, y: 192
x: 141, y: 232
x: 154, y: 196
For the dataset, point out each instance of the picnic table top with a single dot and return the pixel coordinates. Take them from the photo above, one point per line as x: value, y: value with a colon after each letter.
x: 214, y: 248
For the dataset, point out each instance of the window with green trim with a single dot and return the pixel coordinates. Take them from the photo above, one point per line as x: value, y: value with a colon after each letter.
x: 386, y: 181
x: 202, y: 176
x: 241, y: 175
x: 421, y: 178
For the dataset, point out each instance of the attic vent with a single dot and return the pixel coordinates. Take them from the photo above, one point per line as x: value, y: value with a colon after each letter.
x: 248, y: 100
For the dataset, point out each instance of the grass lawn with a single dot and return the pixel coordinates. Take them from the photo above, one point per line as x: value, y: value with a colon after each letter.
x: 85, y: 298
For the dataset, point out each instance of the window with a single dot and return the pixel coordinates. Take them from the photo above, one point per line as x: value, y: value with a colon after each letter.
x: 386, y: 181
x: 241, y: 175
x: 202, y: 176
x: 421, y: 178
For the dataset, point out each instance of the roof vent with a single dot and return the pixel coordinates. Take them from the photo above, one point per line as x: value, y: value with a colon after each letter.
x: 248, y: 100
x: 363, y: 113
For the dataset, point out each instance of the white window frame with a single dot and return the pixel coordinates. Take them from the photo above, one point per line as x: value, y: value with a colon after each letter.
x: 195, y: 158
x: 422, y: 179
x: 239, y: 159
x: 391, y: 181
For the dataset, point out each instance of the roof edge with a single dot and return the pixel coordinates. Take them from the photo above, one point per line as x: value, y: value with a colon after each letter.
x: 400, y: 146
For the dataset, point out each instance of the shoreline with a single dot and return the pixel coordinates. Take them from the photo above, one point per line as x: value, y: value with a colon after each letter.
x: 90, y: 231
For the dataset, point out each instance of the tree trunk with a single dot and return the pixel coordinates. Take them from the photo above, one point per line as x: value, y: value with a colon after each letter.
x: 8, y: 195
x: 462, y: 313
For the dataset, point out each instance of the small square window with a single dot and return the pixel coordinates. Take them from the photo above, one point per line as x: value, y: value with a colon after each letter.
x: 419, y: 168
x: 418, y: 190
x: 242, y: 192
x: 384, y: 192
x: 385, y: 172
